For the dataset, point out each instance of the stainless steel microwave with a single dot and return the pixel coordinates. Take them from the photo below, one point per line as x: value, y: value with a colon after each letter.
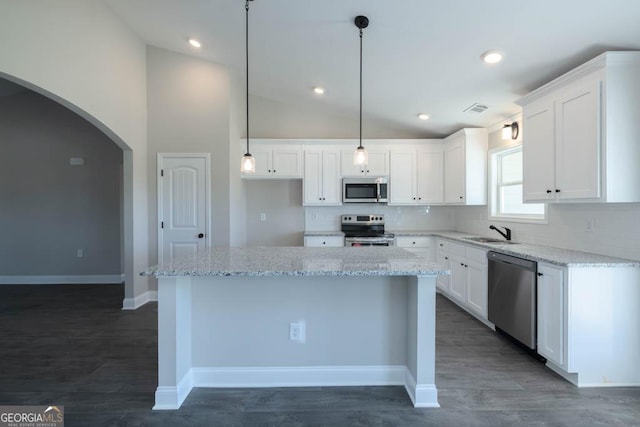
x: 365, y: 190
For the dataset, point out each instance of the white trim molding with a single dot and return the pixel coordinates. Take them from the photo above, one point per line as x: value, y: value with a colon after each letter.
x: 102, y: 279
x: 423, y: 396
x: 137, y: 302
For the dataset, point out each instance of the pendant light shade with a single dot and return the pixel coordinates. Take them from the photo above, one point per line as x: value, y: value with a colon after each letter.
x: 361, y: 157
x: 247, y: 163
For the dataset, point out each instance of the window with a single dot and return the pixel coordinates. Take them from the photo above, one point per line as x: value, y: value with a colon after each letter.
x: 506, y: 188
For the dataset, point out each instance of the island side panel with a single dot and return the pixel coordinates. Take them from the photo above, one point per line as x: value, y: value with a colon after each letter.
x: 421, y: 341
x: 174, y: 342
x: 355, y: 330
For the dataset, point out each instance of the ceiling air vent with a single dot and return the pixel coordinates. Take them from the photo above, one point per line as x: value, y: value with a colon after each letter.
x: 475, y: 108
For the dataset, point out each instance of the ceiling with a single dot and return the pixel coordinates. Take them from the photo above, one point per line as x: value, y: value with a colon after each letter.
x: 418, y: 55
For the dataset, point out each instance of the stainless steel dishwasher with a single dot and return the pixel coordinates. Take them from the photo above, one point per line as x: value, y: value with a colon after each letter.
x: 512, y: 296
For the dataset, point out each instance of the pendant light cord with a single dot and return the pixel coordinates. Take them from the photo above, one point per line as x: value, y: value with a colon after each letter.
x: 360, y: 146
x: 247, y: 62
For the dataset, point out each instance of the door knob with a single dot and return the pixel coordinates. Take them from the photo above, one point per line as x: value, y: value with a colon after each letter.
x: 200, y: 236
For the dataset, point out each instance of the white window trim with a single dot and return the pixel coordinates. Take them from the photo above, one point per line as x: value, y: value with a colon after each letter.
x: 493, y: 176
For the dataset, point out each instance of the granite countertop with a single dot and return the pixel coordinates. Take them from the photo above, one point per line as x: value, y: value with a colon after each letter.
x: 299, y: 261
x: 323, y: 233
x: 548, y: 254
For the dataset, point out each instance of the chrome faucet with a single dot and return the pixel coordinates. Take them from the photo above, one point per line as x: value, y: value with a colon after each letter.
x: 506, y: 235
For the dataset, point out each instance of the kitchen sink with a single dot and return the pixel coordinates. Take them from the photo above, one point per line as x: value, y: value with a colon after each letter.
x: 489, y: 240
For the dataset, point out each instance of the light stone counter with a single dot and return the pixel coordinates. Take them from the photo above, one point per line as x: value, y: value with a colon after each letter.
x: 539, y: 253
x: 323, y: 233
x: 299, y: 261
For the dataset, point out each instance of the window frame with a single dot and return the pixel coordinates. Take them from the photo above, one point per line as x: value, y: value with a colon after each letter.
x: 494, y: 193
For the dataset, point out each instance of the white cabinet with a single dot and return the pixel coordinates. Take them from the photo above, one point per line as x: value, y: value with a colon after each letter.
x: 579, y: 134
x: 324, y: 241
x: 551, y: 313
x: 443, y: 282
x: 321, y: 185
x: 278, y: 161
x: 423, y: 246
x: 465, y: 167
x: 378, y: 162
x: 416, y: 175
x: 467, y: 285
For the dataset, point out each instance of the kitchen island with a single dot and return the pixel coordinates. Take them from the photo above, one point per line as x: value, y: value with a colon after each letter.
x: 278, y: 317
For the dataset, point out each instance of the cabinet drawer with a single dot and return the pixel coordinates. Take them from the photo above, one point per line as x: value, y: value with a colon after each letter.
x: 413, y: 241
x: 326, y: 241
x: 456, y: 249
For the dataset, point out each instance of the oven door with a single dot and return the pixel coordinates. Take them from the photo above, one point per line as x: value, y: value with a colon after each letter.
x: 367, y: 241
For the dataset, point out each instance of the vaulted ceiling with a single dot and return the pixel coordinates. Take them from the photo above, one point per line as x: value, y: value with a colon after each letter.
x: 420, y: 56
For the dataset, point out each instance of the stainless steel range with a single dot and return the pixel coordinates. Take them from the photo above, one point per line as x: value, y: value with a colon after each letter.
x: 365, y: 230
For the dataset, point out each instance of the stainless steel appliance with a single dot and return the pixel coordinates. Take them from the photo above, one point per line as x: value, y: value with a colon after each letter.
x: 365, y: 230
x: 365, y: 190
x: 512, y: 296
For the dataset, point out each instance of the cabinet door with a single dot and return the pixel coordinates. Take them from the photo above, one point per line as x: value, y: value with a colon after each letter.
x: 458, y: 279
x: 262, y: 155
x: 287, y: 162
x: 378, y: 162
x: 312, y: 182
x: 551, y: 305
x: 347, y: 167
x: 331, y: 194
x: 477, y: 290
x: 430, y: 176
x: 578, y: 142
x: 454, y: 172
x: 443, y: 283
x: 402, y: 177
x: 538, y: 152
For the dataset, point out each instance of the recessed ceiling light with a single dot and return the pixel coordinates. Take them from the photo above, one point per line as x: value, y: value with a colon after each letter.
x: 491, y: 57
x: 319, y: 90
x: 423, y: 116
x: 195, y: 43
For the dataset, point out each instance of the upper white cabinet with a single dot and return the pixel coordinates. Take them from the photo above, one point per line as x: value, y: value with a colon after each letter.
x: 416, y: 175
x: 281, y: 161
x: 580, y: 134
x: 321, y: 185
x: 378, y: 162
x: 465, y: 167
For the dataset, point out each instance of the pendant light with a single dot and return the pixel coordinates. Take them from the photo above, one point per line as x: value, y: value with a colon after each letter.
x: 248, y: 163
x: 361, y: 157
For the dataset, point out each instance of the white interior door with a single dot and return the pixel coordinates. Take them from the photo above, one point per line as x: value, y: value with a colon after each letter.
x: 183, y: 196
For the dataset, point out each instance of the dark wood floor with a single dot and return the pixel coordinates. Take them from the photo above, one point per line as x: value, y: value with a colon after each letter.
x: 71, y: 345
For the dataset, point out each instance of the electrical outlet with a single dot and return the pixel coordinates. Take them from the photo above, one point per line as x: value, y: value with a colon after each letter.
x: 297, y: 331
x: 590, y: 225
x: 80, y: 253
x: 263, y: 216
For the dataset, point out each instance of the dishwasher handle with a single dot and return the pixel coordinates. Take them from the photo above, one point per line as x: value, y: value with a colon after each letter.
x: 508, y: 259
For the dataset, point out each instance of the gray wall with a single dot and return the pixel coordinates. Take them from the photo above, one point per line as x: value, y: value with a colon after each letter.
x: 188, y: 112
x: 281, y: 201
x: 49, y: 209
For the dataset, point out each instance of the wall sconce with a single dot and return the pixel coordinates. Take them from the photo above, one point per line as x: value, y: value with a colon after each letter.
x: 510, y: 131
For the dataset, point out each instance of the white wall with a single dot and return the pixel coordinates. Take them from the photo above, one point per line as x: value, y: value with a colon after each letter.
x: 80, y: 54
x: 51, y: 209
x: 615, y: 226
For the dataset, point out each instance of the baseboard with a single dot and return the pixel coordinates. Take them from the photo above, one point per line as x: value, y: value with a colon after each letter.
x: 63, y: 280
x: 312, y: 376
x: 137, y: 302
x: 168, y: 398
x: 422, y: 396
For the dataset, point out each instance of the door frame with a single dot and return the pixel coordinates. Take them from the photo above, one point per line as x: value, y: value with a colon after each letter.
x: 207, y: 194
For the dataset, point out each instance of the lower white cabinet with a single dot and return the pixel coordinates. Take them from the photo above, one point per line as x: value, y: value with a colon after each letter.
x: 324, y: 241
x: 551, y: 313
x: 422, y: 246
x: 467, y: 285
